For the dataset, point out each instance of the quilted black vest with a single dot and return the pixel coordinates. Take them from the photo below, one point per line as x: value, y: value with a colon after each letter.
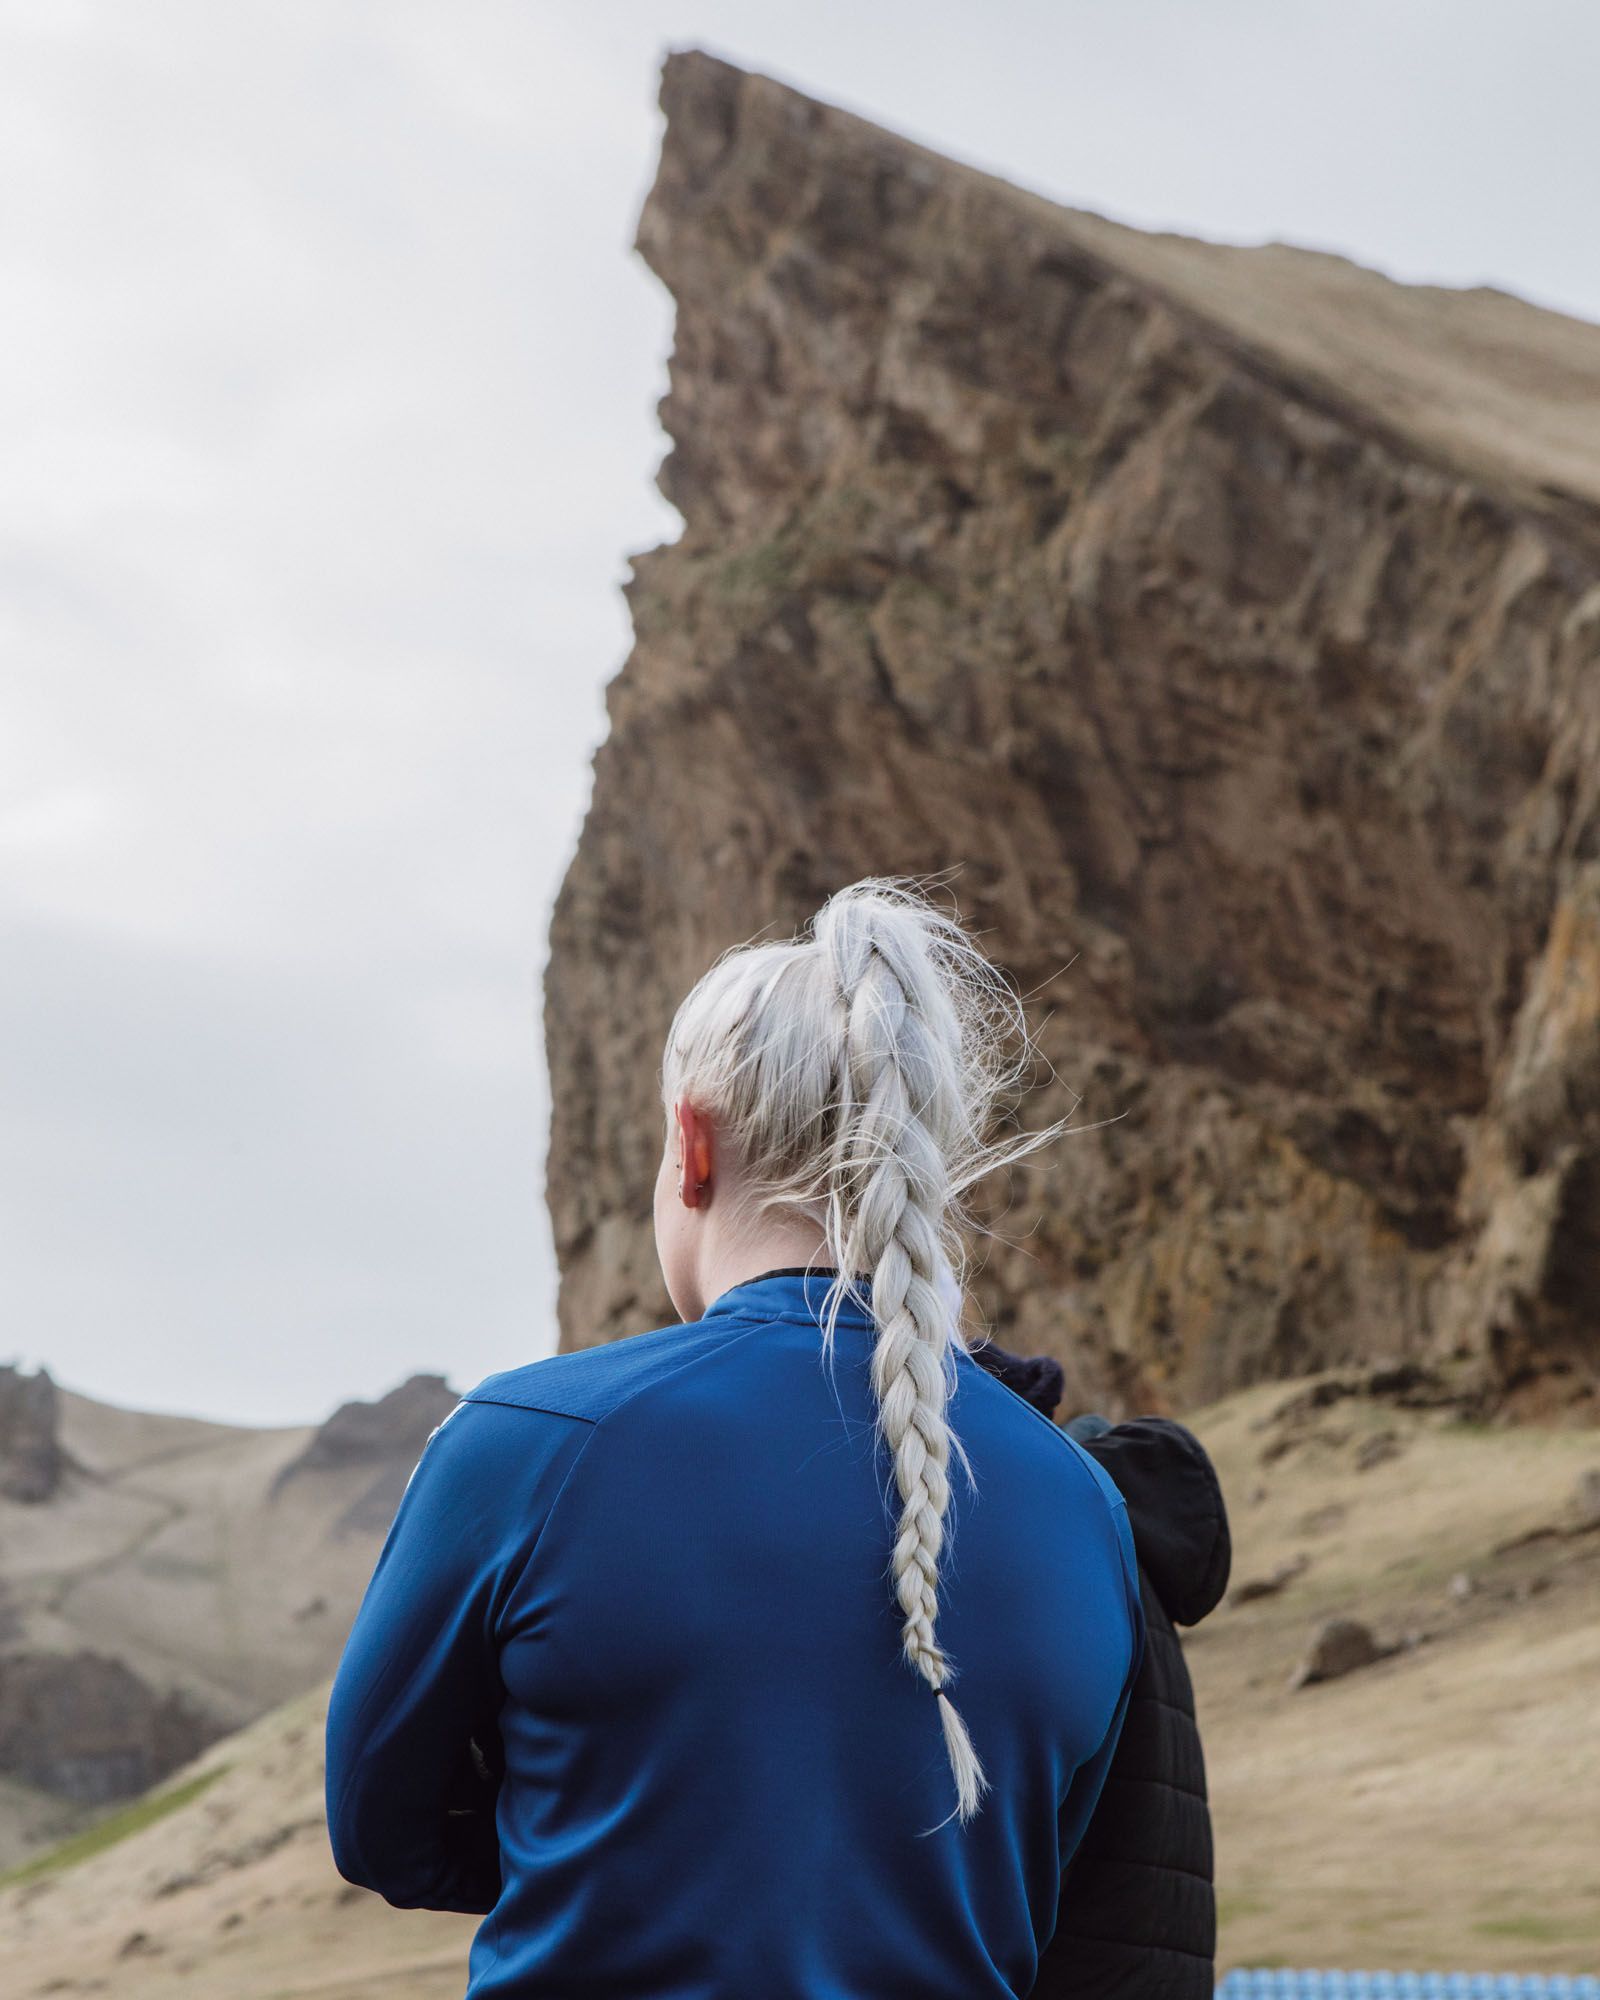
x: 1137, y: 1917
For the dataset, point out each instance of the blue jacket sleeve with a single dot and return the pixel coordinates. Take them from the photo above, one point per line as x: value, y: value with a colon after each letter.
x: 418, y: 1681
x: 1088, y: 1781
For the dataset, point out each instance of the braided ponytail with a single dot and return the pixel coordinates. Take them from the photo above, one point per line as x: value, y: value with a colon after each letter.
x: 856, y: 1071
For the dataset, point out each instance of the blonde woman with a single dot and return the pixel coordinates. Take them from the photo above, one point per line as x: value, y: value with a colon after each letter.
x: 779, y: 1654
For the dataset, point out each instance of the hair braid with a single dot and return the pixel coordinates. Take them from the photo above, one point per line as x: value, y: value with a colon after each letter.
x: 854, y: 1072
x: 890, y: 1160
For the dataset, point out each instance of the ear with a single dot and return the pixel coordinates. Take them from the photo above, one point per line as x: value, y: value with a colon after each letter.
x: 694, y: 1152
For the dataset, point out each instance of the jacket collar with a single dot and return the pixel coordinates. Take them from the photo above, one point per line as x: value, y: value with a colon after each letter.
x: 790, y: 1292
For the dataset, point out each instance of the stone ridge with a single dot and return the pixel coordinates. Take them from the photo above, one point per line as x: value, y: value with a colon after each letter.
x: 384, y: 1438
x: 1260, y: 730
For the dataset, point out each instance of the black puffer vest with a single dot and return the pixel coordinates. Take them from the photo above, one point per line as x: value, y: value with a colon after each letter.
x: 1138, y: 1918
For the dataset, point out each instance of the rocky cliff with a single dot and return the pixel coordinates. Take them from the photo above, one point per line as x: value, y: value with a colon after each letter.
x: 1228, y: 622
x: 83, y: 1726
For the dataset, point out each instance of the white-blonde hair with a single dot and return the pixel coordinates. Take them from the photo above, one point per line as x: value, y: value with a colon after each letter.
x: 854, y: 1071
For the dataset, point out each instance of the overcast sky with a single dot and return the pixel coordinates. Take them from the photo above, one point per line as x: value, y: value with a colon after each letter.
x: 327, y: 387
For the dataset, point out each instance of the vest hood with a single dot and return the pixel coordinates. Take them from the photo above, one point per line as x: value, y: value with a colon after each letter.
x: 1175, y: 1508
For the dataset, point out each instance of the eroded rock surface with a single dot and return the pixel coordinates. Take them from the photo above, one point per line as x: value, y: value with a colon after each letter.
x: 1255, y: 703
x: 31, y: 1458
x: 83, y: 1726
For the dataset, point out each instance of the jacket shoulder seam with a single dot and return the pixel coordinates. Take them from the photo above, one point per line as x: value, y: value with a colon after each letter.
x: 538, y: 1409
x: 529, y: 1401
x: 745, y: 1329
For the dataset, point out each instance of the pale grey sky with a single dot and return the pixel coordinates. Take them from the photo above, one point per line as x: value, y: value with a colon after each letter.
x: 327, y: 385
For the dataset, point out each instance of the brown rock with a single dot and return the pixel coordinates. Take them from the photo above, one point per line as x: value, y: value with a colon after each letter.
x: 1188, y: 605
x: 1408, y: 1385
x: 1304, y: 1402
x: 1339, y: 1647
x: 1376, y: 1449
x: 1269, y: 1585
x: 1545, y: 1531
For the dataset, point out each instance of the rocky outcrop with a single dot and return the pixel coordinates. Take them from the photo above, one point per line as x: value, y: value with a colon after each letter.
x: 85, y: 1727
x: 1228, y: 623
x: 31, y: 1458
x: 386, y: 1436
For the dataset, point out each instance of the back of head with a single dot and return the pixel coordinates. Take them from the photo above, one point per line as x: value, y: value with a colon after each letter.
x: 855, y: 1069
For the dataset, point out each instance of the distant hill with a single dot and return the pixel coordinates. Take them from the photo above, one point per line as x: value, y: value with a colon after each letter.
x: 165, y: 1580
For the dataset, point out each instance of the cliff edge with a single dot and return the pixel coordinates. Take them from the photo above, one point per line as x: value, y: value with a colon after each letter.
x: 1228, y: 621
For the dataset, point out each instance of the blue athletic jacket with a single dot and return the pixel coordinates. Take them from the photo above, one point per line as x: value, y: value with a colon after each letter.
x: 649, y: 1583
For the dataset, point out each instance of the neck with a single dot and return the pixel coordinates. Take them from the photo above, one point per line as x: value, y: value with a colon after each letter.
x: 774, y: 1251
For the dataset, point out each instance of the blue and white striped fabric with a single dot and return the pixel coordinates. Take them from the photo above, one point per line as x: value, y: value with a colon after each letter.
x: 1274, y: 1983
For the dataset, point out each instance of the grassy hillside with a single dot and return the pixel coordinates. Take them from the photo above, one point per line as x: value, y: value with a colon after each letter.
x: 1441, y: 1807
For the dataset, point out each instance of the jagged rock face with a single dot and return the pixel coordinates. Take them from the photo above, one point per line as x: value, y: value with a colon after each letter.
x: 85, y: 1727
x: 387, y: 1435
x: 31, y: 1461
x: 1263, y: 739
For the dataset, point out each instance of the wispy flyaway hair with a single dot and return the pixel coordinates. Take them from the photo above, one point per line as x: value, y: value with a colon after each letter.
x: 854, y: 1071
